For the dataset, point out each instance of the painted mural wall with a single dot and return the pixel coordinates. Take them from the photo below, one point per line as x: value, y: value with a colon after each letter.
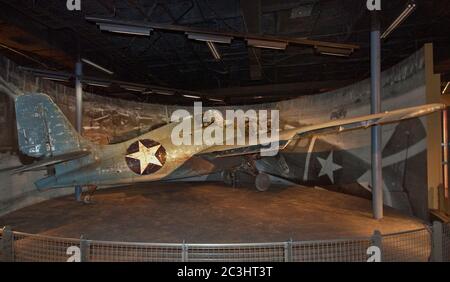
x: 336, y: 162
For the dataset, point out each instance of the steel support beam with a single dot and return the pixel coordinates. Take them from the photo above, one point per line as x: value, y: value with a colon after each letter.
x: 377, y: 169
x: 236, y: 35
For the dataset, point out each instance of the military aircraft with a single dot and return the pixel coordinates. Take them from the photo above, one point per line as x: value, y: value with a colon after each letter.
x: 70, y: 160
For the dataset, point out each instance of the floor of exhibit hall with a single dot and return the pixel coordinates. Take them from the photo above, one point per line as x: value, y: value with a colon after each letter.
x: 208, y: 213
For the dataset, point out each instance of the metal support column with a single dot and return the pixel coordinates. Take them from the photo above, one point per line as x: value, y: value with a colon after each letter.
x: 79, y: 112
x: 78, y: 193
x: 437, y: 242
x: 377, y: 241
x: 7, y: 245
x: 79, y: 96
x: 375, y: 67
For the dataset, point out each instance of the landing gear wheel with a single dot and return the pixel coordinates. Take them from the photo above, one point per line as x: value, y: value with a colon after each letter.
x: 90, y: 194
x: 87, y: 199
x: 262, y: 182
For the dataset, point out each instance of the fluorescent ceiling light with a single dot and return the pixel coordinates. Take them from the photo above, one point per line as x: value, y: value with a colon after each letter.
x: 403, y: 16
x: 446, y: 87
x: 164, y: 92
x: 214, y: 50
x: 209, y: 37
x: 97, y: 66
x: 97, y: 83
x: 331, y: 51
x: 268, y: 44
x: 192, y: 96
x: 56, y: 78
x: 133, y: 88
x: 215, y: 100
x: 124, y: 29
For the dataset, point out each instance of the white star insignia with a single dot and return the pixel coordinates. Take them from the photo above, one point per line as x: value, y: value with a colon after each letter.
x: 146, y: 156
x: 328, y: 167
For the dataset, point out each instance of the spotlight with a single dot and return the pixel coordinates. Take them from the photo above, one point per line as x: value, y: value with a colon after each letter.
x: 403, y: 16
x: 209, y: 37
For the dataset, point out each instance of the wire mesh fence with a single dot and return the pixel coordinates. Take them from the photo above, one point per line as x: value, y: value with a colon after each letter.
x: 446, y: 242
x: 39, y: 248
x: 134, y: 252
x: 331, y: 251
x: 270, y: 252
x: 414, y: 246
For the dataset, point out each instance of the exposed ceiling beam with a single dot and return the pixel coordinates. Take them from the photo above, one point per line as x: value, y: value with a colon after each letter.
x: 108, y: 82
x: 286, y: 89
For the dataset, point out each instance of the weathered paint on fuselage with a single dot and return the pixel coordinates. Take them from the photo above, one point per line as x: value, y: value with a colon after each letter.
x: 107, y: 164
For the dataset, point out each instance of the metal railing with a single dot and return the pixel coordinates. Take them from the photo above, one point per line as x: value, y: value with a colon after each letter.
x: 417, y: 245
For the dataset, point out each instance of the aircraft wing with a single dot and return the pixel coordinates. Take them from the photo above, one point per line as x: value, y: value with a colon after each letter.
x: 42, y: 164
x: 332, y: 127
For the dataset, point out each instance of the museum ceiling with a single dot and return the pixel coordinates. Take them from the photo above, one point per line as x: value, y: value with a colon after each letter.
x: 44, y: 35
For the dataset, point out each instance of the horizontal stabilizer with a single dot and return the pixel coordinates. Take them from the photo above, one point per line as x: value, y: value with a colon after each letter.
x: 42, y: 164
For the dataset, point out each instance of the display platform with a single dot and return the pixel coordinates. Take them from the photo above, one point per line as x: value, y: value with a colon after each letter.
x: 207, y: 213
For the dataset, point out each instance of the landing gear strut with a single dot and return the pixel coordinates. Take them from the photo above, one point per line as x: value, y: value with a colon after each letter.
x: 229, y: 177
x: 90, y: 194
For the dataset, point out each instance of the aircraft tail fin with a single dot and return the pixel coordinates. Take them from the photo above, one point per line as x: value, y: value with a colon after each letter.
x: 43, y: 130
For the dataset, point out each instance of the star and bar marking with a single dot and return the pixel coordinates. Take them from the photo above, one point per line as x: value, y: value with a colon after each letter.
x: 150, y: 156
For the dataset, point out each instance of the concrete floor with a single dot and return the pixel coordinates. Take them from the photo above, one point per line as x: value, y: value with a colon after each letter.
x: 207, y: 213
